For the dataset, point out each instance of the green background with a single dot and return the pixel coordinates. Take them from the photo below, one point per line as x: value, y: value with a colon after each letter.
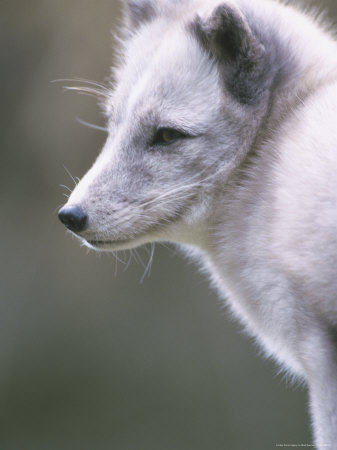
x: 90, y: 357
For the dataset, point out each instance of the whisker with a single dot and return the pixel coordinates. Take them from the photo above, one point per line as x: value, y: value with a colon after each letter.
x: 66, y: 187
x: 133, y: 256
x: 98, y: 85
x: 179, y: 188
x: 183, y: 188
x: 128, y: 261
x: 90, y: 88
x: 80, y: 80
x: 147, y: 270
x: 168, y: 193
x: 140, y: 259
x: 68, y: 172
x: 85, y: 90
x: 172, y: 251
x: 180, y: 196
x: 136, y: 256
x: 91, y: 125
x: 116, y: 263
x: 120, y: 259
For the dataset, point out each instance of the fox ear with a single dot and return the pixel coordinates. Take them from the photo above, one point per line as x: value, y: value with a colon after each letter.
x: 139, y: 12
x: 227, y: 36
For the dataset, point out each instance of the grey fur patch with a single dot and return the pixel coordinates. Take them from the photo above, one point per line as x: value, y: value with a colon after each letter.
x: 241, y: 57
x: 139, y: 12
x: 332, y: 330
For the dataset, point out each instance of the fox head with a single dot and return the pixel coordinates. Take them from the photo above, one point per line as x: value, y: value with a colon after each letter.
x: 190, y: 93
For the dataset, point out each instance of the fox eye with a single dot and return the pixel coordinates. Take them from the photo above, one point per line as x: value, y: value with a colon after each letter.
x: 166, y: 136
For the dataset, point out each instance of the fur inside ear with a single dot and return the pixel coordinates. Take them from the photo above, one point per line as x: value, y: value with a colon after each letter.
x: 139, y: 12
x: 227, y: 36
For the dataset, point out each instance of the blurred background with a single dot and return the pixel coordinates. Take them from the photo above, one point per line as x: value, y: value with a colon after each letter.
x: 90, y: 356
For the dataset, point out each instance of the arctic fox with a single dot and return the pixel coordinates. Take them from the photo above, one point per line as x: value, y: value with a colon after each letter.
x: 223, y: 138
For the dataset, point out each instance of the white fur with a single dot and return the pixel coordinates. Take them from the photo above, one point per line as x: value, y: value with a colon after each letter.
x: 254, y: 193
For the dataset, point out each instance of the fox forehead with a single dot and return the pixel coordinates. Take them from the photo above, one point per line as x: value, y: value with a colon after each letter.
x: 166, y: 76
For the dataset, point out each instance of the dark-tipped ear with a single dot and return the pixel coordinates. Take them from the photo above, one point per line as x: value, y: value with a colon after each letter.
x: 227, y: 36
x: 139, y: 12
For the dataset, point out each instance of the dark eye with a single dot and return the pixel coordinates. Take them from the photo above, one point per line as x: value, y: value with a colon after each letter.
x: 166, y: 136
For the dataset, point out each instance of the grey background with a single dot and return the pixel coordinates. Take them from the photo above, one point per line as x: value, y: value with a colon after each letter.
x: 90, y: 358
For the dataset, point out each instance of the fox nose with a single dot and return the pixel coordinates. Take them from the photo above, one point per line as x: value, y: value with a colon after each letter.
x: 73, y: 217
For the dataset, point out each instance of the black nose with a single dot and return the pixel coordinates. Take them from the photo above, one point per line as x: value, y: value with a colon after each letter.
x: 73, y: 217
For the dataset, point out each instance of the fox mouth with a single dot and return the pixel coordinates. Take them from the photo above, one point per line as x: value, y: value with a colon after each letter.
x: 132, y: 241
x: 115, y: 245
x: 102, y: 244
